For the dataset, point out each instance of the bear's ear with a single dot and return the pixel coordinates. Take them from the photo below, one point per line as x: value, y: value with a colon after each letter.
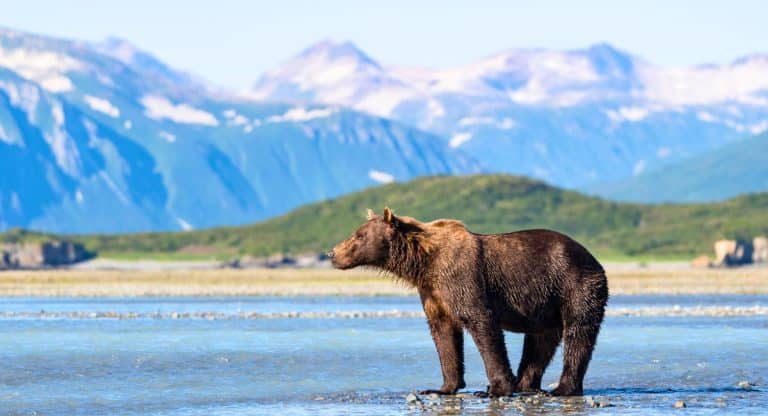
x: 371, y: 214
x: 389, y: 217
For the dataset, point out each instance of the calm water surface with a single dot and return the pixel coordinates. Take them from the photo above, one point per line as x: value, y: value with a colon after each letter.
x: 351, y: 366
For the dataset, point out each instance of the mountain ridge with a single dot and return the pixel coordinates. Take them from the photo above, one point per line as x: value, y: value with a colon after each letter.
x: 97, y: 112
x: 573, y: 118
x: 217, y: 159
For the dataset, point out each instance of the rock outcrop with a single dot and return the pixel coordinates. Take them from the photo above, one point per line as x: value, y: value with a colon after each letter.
x: 732, y: 252
x: 760, y: 250
x: 740, y: 252
x: 42, y: 254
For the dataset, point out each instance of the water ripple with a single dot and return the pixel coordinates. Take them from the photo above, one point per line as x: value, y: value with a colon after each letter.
x: 670, y: 311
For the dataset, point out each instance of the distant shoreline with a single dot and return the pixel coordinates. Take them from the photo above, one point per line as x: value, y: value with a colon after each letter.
x: 625, y: 280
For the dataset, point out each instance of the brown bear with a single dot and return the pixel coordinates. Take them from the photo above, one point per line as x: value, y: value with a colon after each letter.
x: 537, y: 282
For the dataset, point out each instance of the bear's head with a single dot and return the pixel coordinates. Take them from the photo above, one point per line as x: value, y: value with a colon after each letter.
x: 371, y: 243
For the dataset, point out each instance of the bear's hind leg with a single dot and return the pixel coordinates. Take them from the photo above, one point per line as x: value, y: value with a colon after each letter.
x: 579, y: 342
x: 538, y: 350
x: 489, y: 340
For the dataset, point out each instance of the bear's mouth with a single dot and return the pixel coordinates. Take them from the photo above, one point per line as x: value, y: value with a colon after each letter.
x: 345, y: 264
x: 339, y: 265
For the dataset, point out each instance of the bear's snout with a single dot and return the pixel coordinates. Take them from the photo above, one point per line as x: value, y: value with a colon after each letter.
x: 333, y: 254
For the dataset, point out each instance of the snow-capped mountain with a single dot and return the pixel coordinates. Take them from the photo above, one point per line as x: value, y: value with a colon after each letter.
x: 104, y: 137
x: 107, y: 138
x: 569, y: 117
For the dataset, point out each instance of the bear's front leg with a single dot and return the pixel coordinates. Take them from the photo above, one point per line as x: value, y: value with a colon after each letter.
x: 449, y: 341
x: 489, y: 339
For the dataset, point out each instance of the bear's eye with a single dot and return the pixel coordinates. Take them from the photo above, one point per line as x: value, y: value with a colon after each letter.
x: 359, y: 236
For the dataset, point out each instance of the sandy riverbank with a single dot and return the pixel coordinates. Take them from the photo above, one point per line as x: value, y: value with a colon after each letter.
x: 227, y: 282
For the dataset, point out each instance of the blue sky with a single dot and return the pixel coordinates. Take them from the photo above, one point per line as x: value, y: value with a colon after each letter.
x: 231, y: 42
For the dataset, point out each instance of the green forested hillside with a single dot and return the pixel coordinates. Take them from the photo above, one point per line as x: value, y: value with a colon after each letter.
x: 486, y: 203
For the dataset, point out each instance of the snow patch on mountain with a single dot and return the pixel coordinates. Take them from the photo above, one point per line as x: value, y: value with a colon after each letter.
x: 549, y: 77
x: 23, y: 95
x: 759, y: 128
x: 630, y: 114
x: 56, y: 83
x: 735, y: 125
x: 102, y: 105
x: 158, y: 107
x: 383, y: 102
x: 185, y: 226
x: 707, y: 117
x: 113, y: 187
x: 739, y: 81
x: 57, y: 112
x: 64, y: 150
x: 5, y: 137
x: 239, y: 120
x: 234, y: 119
x: 435, y: 110
x: 168, y: 137
x: 381, y: 177
x: 505, y: 123
x: 44, y: 67
x: 459, y: 138
x: 299, y: 114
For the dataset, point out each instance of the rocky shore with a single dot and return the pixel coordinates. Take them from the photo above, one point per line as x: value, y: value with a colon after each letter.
x: 43, y: 254
x: 542, y: 403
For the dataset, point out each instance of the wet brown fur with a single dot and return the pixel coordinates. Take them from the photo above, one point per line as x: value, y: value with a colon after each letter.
x: 537, y: 282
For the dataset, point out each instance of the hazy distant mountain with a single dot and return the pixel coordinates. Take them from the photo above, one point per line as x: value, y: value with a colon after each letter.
x: 108, y: 138
x: 147, y: 65
x: 733, y: 169
x: 569, y: 117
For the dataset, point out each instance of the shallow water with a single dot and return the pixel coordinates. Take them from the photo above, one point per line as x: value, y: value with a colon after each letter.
x: 352, y: 366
